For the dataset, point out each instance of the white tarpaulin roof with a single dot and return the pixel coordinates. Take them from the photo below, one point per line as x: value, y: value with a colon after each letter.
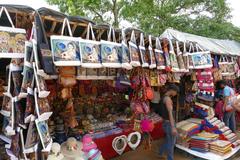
x: 213, y: 45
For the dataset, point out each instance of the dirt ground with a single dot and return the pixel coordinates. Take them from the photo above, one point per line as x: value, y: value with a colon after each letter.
x: 141, y: 154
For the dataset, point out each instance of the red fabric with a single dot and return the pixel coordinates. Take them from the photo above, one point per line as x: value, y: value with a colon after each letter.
x: 219, y: 109
x: 105, y: 144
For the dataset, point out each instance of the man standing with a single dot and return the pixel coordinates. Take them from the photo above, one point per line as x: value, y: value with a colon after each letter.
x: 228, y: 108
x: 166, y: 112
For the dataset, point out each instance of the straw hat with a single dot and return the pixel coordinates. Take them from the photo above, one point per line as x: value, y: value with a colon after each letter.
x: 72, y: 148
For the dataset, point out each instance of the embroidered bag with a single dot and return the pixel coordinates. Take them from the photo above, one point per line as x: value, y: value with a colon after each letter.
x: 125, y: 56
x: 173, y: 58
x: 134, y: 51
x: 144, y: 56
x: 90, y: 50
x: 152, y: 58
x: 12, y: 40
x: 159, y: 55
x: 110, y: 50
x: 65, y: 49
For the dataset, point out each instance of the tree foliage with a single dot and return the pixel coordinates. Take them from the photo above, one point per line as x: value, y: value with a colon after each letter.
x: 208, y: 18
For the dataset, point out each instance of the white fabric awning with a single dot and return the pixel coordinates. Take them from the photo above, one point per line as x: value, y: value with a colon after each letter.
x: 216, y: 46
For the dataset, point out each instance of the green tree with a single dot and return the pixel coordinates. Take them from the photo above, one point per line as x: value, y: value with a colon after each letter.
x: 104, y: 11
x: 202, y: 17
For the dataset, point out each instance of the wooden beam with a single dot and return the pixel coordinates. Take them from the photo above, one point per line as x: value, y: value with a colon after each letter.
x: 53, y: 26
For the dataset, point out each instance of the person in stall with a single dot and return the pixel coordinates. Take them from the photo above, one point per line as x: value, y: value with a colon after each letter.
x: 218, y: 107
x: 229, y: 106
x: 165, y: 110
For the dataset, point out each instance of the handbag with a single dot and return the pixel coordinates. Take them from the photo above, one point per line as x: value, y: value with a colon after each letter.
x: 90, y: 50
x: 185, y: 57
x: 65, y: 49
x: 173, y: 58
x: 190, y: 61
x: 144, y: 56
x: 110, y: 51
x: 125, y: 54
x: 134, y: 51
x: 152, y: 61
x: 201, y: 59
x: 45, y: 54
x: 12, y: 44
x: 180, y: 58
x: 166, y: 55
x: 160, y: 61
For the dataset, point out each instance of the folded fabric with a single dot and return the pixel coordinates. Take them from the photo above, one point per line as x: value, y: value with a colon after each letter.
x: 199, y: 149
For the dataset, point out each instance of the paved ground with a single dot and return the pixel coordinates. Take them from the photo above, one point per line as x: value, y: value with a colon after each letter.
x: 141, y: 154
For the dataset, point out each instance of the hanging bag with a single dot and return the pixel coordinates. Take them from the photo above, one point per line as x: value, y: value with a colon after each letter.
x: 190, y: 61
x: 90, y: 50
x: 125, y: 56
x: 180, y: 58
x: 65, y: 49
x: 173, y: 58
x: 166, y: 54
x: 110, y: 51
x: 152, y: 61
x: 143, y: 53
x: 185, y: 57
x: 134, y: 51
x: 12, y: 40
x: 159, y: 55
x: 201, y: 59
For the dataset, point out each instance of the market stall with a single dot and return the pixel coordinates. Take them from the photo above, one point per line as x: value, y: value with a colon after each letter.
x: 77, y: 89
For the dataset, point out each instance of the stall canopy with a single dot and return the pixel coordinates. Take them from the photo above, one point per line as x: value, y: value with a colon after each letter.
x: 216, y: 46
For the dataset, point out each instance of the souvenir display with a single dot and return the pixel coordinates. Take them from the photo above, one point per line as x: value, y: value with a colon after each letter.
x: 134, y: 140
x: 180, y: 61
x: 167, y: 54
x: 42, y: 107
x: 110, y: 51
x: 90, y: 50
x: 81, y: 73
x: 72, y: 148
x: 201, y: 59
x: 43, y: 133
x: 102, y: 73
x: 40, y: 83
x: 134, y: 51
x: 160, y: 60
x: 173, y: 58
x: 119, y: 144
x: 125, y: 54
x: 55, y: 153
x: 12, y: 39
x: 92, y: 73
x: 30, y: 106
x: 65, y: 49
x: 6, y: 106
x: 152, y: 58
x: 32, y: 138
x: 185, y: 57
x: 143, y: 54
x: 39, y: 69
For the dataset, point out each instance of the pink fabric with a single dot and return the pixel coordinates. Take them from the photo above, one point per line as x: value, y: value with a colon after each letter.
x: 219, y: 109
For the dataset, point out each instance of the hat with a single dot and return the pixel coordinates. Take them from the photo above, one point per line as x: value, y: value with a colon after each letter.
x: 72, y: 148
x: 93, y: 154
x: 88, y: 143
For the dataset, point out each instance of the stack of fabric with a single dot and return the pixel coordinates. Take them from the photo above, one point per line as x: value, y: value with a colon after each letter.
x: 200, y: 110
x: 186, y: 129
x: 220, y: 147
x: 201, y: 141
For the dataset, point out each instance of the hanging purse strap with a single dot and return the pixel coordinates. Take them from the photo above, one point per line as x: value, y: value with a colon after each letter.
x: 142, y: 40
x: 158, y: 44
x: 123, y: 36
x: 171, y: 50
x: 178, y: 49
x: 133, y: 38
x: 191, y: 48
x: 3, y: 9
x: 199, y: 48
x: 150, y: 41
x: 111, y: 35
x: 90, y: 31
x: 66, y: 22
